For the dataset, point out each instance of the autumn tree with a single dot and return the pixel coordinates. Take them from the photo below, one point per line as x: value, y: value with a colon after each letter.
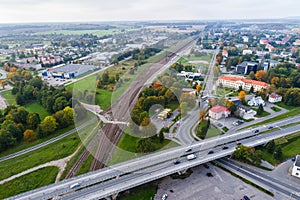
x: 33, y: 120
x: 47, y: 126
x: 252, y: 76
x: 261, y: 75
x: 29, y: 135
x: 242, y: 95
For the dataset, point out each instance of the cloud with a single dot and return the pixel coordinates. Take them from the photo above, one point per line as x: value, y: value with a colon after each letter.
x: 100, y: 10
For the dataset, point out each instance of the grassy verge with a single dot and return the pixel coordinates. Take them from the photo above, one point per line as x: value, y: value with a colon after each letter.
x: 143, y: 192
x: 36, y: 179
x: 55, y: 151
x: 293, y: 112
x: 290, y: 146
x: 24, y: 145
x: 213, y: 132
x: 282, y: 105
x: 276, y: 109
x: 11, y: 99
x: 85, y: 167
x: 37, y: 108
x: 127, y: 148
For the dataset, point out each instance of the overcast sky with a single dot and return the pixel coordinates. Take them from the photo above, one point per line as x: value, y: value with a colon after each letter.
x: 120, y: 10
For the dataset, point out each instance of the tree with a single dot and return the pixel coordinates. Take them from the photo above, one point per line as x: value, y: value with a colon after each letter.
x: 240, y: 88
x: 252, y: 76
x: 257, y: 157
x: 277, y: 153
x: 144, y: 145
x: 251, y: 89
x: 33, y: 120
x: 12, y: 129
x: 60, y: 103
x: 29, y: 135
x: 261, y: 75
x: 198, y: 88
x: 270, y: 147
x: 3, y: 83
x: 260, y: 110
x: 6, y: 140
x: 161, y: 137
x: 47, y: 126
x: 242, y: 95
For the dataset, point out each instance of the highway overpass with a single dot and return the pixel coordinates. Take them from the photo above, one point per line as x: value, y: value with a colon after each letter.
x: 123, y: 176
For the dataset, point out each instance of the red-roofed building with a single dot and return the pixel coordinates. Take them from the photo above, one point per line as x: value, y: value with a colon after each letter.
x: 236, y: 81
x: 225, y: 53
x: 157, y: 84
x: 218, y: 112
x: 274, y: 98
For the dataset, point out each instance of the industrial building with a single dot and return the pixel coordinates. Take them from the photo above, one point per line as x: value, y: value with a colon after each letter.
x: 69, y: 70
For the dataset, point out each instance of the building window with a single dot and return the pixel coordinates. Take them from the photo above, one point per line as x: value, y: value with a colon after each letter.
x: 298, y: 169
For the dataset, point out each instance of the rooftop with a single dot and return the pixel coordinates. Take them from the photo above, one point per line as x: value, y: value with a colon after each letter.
x: 297, y: 162
x: 73, y: 68
x: 240, y: 78
x: 219, y: 109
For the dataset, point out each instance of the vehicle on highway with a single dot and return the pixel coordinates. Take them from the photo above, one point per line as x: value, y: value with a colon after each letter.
x: 191, y: 157
x: 238, y: 122
x: 256, y: 131
x: 238, y: 143
x: 270, y: 127
x: 177, y: 161
x: 188, y: 150
x: 211, y: 152
x: 164, y: 197
x: 75, y: 185
x: 225, y: 147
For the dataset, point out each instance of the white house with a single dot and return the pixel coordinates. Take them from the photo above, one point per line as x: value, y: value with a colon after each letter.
x: 296, y: 167
x: 274, y: 98
x: 217, y: 112
x: 247, y: 51
x: 255, y: 101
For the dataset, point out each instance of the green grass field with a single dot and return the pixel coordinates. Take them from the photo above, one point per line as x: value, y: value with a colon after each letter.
x: 9, y: 97
x: 25, y: 145
x: 282, y: 105
x: 36, y: 179
x: 212, y: 132
x: 37, y: 108
x: 57, y: 150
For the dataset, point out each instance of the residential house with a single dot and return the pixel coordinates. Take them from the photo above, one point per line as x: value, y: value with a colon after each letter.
x: 296, y: 167
x: 256, y: 101
x: 218, y: 112
x: 274, y: 98
x: 225, y: 53
x: 247, y: 51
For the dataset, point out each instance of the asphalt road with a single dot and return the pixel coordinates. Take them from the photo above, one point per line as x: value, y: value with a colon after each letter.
x: 273, y: 184
x: 146, y: 166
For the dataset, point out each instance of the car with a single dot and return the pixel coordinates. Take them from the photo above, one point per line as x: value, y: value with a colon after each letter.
x: 75, y: 185
x: 188, y: 150
x: 238, y: 143
x: 270, y: 127
x: 246, y: 197
x: 191, y: 157
x: 177, y: 161
x: 256, y: 131
x: 294, y: 159
x: 225, y: 147
x: 211, y: 152
x: 56, y: 79
x: 164, y: 197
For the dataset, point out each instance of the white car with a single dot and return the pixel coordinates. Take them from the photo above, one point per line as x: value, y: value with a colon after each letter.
x: 164, y: 197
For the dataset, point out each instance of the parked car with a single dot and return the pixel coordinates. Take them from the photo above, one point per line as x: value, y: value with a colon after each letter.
x: 246, y: 197
x: 164, y: 197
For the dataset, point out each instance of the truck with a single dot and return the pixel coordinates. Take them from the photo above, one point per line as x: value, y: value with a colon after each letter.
x: 191, y: 157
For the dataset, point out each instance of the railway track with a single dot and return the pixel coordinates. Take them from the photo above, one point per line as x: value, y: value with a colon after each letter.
x: 110, y: 134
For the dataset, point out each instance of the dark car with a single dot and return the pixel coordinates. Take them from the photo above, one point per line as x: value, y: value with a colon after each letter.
x: 256, y: 131
x: 238, y: 143
x: 294, y: 159
x: 246, y: 198
x: 270, y: 127
x: 211, y: 152
x: 188, y: 150
x: 225, y: 147
x: 177, y: 161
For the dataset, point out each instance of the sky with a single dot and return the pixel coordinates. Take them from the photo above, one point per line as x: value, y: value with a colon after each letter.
x: 22, y: 11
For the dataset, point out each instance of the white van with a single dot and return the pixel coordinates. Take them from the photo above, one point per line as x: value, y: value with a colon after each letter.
x: 75, y: 185
x: 191, y: 157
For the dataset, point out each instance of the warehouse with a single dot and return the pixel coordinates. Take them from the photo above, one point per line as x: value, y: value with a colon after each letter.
x: 69, y: 70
